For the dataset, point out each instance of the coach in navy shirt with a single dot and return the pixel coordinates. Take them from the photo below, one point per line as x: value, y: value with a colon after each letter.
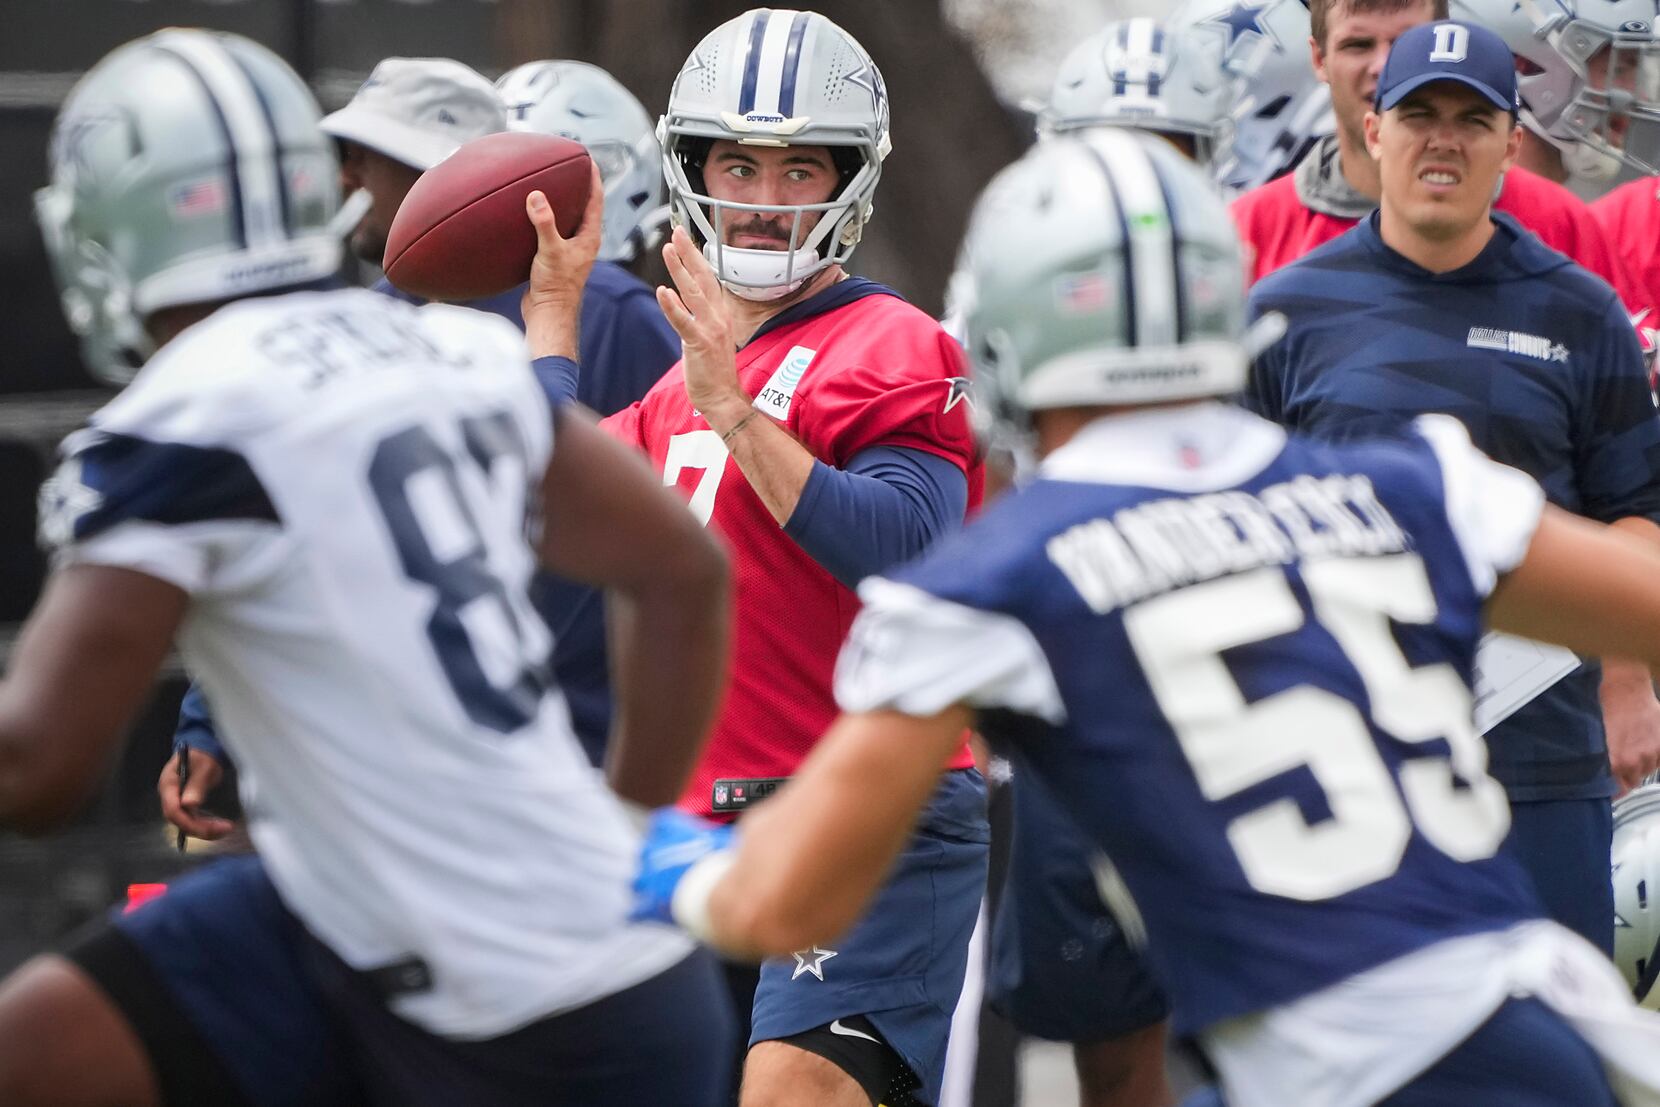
x: 1436, y: 304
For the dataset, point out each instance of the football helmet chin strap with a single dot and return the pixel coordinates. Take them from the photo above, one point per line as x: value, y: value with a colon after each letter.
x: 762, y: 275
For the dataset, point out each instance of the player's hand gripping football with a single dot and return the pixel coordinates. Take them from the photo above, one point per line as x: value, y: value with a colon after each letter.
x: 696, y: 308
x: 182, y: 806
x: 674, y: 844
x: 552, y: 302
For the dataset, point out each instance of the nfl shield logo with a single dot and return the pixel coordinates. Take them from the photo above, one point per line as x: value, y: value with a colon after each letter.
x: 720, y: 795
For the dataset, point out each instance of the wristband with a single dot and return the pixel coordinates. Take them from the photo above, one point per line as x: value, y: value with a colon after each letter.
x: 690, y: 903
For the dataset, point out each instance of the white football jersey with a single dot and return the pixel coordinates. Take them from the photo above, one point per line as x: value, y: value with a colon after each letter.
x: 343, y: 484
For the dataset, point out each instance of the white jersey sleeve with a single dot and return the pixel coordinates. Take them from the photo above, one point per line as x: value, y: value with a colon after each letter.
x: 1493, y: 509
x: 912, y: 652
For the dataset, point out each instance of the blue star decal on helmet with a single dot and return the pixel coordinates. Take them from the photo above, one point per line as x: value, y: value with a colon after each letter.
x: 867, y: 77
x: 1245, y: 19
x: 79, y: 137
x: 694, y: 63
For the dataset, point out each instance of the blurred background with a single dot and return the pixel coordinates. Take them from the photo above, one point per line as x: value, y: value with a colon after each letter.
x: 962, y: 75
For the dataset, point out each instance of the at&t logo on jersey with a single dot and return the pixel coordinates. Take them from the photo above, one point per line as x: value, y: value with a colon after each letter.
x: 774, y: 398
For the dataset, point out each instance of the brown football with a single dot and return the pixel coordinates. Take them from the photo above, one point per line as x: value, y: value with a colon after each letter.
x: 462, y: 234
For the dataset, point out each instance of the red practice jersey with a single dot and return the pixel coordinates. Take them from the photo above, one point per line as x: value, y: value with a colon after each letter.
x: 871, y: 371
x: 1277, y: 230
x: 1630, y: 218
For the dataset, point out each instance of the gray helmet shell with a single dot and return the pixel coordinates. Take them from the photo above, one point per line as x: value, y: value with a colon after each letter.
x: 1101, y: 268
x: 1283, y: 108
x: 1136, y: 73
x: 583, y: 102
x: 186, y: 167
x: 1636, y: 874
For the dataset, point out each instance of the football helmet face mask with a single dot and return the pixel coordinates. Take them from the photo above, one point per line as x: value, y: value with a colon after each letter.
x: 584, y: 103
x: 186, y: 167
x: 1282, y: 108
x: 1134, y: 73
x: 1100, y: 268
x: 776, y: 77
x: 1636, y: 861
x: 1589, y: 79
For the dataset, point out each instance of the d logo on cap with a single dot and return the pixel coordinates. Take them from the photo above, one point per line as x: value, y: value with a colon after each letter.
x: 1452, y: 43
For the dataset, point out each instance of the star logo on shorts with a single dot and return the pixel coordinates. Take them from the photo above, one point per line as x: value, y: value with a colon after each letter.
x: 811, y: 960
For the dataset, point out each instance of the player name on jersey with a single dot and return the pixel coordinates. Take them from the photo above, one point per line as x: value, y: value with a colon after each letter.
x: 1164, y: 544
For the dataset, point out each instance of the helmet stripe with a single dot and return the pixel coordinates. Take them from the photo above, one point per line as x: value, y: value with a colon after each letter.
x: 239, y: 228
x: 1155, y: 47
x: 248, y: 128
x: 1149, y: 220
x: 1120, y: 80
x: 774, y: 65
x: 752, y: 61
x: 284, y: 207
x: 1126, y: 282
x: 792, y: 63
x: 1179, y: 283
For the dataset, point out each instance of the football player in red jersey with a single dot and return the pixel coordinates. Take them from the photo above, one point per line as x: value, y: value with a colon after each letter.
x: 1337, y: 183
x: 1628, y: 216
x: 821, y: 425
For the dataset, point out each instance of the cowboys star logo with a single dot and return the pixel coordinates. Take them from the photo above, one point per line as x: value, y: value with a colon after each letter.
x: 811, y: 960
x: 961, y: 391
x: 63, y: 501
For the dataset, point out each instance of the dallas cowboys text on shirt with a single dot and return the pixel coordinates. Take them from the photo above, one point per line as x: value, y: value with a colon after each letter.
x: 1164, y: 544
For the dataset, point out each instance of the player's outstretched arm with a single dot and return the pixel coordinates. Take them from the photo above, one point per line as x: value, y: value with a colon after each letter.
x: 810, y: 859
x: 80, y: 671
x: 608, y: 521
x: 1592, y: 588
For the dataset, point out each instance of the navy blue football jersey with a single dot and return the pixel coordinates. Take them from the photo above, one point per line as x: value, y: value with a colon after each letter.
x: 1538, y: 360
x: 1242, y: 661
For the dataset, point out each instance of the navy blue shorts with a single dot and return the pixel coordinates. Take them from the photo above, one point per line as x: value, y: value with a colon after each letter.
x: 1564, y: 845
x: 290, y: 1025
x: 1060, y: 966
x: 902, y: 965
x: 1524, y: 1056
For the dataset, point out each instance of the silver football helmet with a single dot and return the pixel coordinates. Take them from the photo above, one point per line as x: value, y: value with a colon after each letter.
x: 583, y: 102
x: 1134, y: 73
x: 776, y: 77
x: 1284, y: 108
x: 1588, y: 74
x: 186, y: 167
x: 1100, y: 268
x: 1636, y: 862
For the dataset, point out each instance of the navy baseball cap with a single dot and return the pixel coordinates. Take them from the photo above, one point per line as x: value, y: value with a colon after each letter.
x: 1449, y: 51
